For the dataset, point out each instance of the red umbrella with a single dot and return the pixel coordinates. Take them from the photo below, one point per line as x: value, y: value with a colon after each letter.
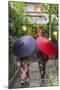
x: 46, y: 46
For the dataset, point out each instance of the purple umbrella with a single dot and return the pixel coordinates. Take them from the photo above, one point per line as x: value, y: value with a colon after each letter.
x: 24, y: 46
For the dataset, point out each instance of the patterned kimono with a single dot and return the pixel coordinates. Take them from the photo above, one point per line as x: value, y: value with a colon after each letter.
x: 24, y: 67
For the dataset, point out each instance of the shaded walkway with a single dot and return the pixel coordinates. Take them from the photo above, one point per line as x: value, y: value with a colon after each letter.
x: 51, y: 76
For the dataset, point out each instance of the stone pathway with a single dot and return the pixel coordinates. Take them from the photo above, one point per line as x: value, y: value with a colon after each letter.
x: 52, y: 73
x: 51, y: 76
x: 34, y: 75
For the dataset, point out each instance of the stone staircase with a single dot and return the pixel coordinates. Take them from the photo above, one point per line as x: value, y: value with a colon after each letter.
x: 51, y: 76
x: 34, y: 75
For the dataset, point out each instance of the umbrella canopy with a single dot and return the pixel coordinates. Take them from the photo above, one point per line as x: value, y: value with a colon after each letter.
x: 24, y: 46
x: 46, y: 46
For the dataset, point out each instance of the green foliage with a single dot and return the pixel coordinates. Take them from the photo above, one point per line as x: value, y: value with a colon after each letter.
x: 16, y: 18
x: 16, y: 21
x: 49, y: 8
x: 54, y: 27
x: 52, y: 10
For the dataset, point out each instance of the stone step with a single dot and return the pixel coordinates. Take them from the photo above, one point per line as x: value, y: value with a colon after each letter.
x: 34, y: 75
x: 34, y: 83
x: 51, y: 76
